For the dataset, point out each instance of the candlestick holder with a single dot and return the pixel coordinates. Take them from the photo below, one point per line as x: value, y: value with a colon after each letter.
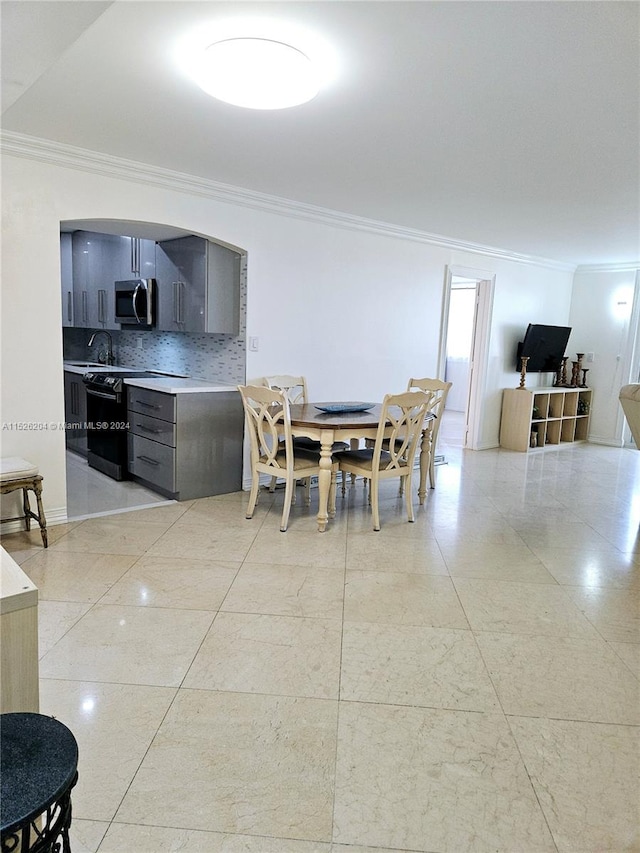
x: 557, y: 382
x: 575, y: 374
x: 585, y: 370
x: 523, y: 370
x: 562, y: 373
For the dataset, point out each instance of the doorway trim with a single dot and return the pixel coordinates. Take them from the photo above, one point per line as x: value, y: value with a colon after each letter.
x: 479, y: 358
x: 631, y: 360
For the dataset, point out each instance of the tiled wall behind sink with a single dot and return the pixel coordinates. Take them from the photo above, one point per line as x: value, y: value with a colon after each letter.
x: 199, y: 356
x: 212, y: 357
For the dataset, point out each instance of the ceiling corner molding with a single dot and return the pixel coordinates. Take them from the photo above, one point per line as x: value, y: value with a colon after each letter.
x: 630, y: 266
x: 82, y: 159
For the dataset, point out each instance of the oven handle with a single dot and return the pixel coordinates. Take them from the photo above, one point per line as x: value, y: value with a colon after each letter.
x: 102, y: 394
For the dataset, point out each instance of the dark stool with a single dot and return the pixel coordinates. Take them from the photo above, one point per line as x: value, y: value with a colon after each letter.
x: 38, y: 768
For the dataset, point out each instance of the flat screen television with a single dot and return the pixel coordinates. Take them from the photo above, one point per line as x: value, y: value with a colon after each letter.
x: 545, y: 347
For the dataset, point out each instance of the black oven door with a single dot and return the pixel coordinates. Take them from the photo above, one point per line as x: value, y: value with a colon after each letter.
x: 107, y: 432
x: 135, y: 302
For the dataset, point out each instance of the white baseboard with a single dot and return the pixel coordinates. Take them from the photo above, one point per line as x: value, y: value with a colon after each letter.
x: 606, y: 441
x: 53, y: 516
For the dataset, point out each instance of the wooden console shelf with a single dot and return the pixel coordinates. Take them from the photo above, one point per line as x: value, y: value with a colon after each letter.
x: 18, y: 639
x: 554, y: 415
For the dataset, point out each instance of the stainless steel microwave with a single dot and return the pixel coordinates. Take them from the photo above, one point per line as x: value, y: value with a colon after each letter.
x: 135, y: 302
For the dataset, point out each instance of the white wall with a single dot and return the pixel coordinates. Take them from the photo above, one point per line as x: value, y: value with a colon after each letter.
x: 357, y: 312
x: 600, y: 316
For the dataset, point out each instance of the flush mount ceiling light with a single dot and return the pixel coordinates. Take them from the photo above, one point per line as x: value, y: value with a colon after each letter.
x: 260, y: 63
x: 258, y: 73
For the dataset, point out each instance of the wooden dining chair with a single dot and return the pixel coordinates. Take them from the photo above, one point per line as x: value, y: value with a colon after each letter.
x: 394, y: 449
x: 273, y: 453
x: 439, y: 390
x: 295, y: 387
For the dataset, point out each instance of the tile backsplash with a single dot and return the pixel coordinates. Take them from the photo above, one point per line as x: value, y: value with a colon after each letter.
x: 200, y: 356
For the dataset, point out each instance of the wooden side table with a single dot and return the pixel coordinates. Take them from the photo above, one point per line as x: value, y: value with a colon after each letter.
x: 38, y: 769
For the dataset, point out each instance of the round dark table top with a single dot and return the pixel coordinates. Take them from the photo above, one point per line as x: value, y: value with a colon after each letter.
x: 306, y: 414
x: 38, y: 762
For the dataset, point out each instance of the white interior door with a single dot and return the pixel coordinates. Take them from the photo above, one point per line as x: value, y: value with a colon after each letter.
x: 484, y: 282
x: 462, y: 311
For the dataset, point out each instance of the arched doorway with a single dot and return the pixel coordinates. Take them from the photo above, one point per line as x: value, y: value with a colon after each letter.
x: 180, y: 352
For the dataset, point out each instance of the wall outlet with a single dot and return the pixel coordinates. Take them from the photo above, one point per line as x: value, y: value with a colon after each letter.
x: 139, y: 343
x: 254, y: 344
x: 590, y: 357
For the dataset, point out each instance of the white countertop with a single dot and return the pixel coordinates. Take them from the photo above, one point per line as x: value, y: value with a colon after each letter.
x: 177, y: 385
x: 85, y: 367
x: 166, y: 384
x: 16, y: 590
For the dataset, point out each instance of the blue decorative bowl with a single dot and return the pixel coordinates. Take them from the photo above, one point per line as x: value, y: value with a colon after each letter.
x: 340, y: 408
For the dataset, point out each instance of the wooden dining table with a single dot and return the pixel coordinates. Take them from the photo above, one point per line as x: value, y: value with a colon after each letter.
x: 311, y: 422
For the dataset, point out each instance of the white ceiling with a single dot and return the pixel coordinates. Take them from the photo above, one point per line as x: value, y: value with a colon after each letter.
x: 510, y: 124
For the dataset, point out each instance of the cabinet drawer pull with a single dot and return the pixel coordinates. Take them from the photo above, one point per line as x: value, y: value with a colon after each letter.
x: 148, y: 460
x: 148, y: 405
x: 149, y: 429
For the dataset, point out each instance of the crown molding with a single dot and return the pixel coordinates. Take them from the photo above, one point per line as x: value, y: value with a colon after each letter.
x: 82, y: 159
x: 628, y: 266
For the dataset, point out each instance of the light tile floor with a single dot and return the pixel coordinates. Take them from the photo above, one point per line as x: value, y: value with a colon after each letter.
x: 466, y: 683
x: 90, y: 492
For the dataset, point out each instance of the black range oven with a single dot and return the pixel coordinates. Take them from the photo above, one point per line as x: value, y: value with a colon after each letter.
x: 107, y: 421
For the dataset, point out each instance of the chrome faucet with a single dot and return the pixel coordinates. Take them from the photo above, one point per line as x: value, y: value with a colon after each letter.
x: 108, y: 355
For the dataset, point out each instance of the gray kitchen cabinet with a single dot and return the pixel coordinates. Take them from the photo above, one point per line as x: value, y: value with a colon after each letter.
x: 186, y: 445
x: 75, y: 413
x: 82, y: 303
x: 93, y: 283
x: 66, y: 279
x: 98, y: 261
x: 145, y: 254
x: 130, y: 257
x: 198, y: 286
